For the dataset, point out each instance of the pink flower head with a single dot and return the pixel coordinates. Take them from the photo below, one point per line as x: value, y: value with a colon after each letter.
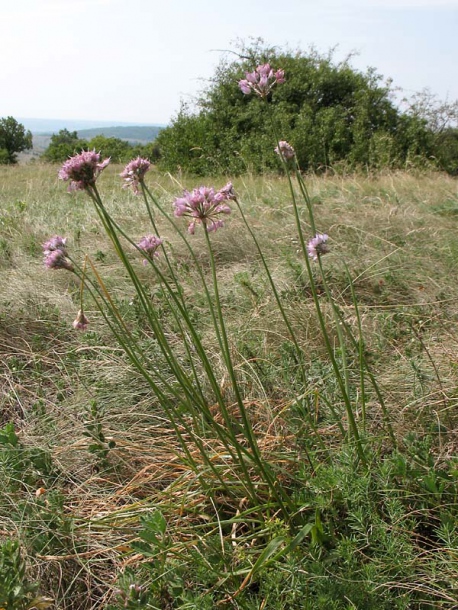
x: 81, y: 322
x: 134, y: 173
x: 280, y: 77
x: 55, y: 243
x: 82, y: 170
x: 203, y: 205
x: 55, y: 253
x: 57, y: 260
x: 285, y: 150
x: 316, y: 247
x: 228, y: 192
x: 261, y: 80
x: 149, y: 245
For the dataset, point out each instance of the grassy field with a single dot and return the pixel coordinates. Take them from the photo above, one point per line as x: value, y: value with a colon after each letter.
x: 101, y: 506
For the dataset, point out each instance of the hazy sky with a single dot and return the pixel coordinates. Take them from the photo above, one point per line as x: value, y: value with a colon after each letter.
x: 134, y: 60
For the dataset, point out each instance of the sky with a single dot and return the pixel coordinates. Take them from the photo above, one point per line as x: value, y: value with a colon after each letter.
x: 136, y: 60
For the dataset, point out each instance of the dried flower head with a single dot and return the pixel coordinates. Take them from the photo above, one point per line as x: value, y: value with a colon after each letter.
x: 285, y: 150
x: 261, y: 80
x: 149, y: 245
x: 82, y: 170
x: 80, y: 322
x: 316, y: 247
x: 134, y: 173
x: 203, y: 205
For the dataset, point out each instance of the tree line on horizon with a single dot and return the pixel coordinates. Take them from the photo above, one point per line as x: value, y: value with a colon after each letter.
x: 333, y: 115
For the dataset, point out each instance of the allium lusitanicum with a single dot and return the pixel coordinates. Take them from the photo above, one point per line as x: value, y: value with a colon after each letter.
x: 285, y: 150
x: 55, y: 253
x: 149, y: 245
x: 316, y: 247
x: 134, y: 173
x: 204, y: 205
x: 55, y: 243
x: 261, y: 80
x: 80, y: 322
x: 82, y: 170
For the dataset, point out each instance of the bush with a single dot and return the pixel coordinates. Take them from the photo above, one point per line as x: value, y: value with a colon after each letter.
x: 63, y: 145
x: 118, y: 150
x: 446, y: 151
x: 330, y: 112
x: 67, y: 143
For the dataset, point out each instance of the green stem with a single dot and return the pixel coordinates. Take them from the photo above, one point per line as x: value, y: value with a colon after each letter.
x: 249, y: 434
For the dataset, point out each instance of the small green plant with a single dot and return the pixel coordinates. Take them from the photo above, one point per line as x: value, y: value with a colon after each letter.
x: 93, y: 426
x: 22, y: 465
x: 16, y: 591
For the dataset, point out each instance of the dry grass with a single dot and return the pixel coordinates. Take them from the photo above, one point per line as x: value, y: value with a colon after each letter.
x: 396, y: 233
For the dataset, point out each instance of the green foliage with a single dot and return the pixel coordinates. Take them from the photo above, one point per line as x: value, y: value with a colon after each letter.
x: 63, y: 145
x: 16, y: 593
x: 67, y: 143
x: 118, y: 150
x: 13, y: 139
x: 328, y: 111
x: 146, y: 151
x: 21, y: 465
x: 4, y: 157
x: 441, y: 120
x: 372, y: 539
x: 188, y: 144
x: 446, y: 150
x: 99, y: 446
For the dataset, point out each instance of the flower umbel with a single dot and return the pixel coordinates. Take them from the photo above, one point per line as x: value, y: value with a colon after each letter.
x: 285, y: 150
x: 80, y: 322
x: 228, y: 192
x: 203, y: 205
x: 261, y: 80
x: 82, y: 170
x: 55, y: 253
x: 134, y: 173
x: 55, y: 243
x: 316, y: 247
x: 149, y: 245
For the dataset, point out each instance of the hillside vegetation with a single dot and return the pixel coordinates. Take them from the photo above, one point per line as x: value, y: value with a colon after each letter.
x: 332, y: 114
x: 234, y: 394
x: 101, y: 507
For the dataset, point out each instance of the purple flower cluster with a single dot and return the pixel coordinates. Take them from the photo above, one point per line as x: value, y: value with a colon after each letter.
x: 134, y: 173
x: 285, y: 150
x: 203, y: 205
x: 82, y: 170
x: 261, y: 80
x: 316, y: 247
x: 149, y: 245
x: 55, y: 253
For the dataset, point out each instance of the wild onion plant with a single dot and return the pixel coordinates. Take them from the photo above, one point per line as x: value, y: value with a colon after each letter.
x: 210, y: 417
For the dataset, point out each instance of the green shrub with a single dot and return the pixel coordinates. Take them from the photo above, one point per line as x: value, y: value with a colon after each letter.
x: 330, y: 112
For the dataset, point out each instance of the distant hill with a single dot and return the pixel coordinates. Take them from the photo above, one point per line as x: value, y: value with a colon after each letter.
x: 134, y: 133
x: 50, y: 126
